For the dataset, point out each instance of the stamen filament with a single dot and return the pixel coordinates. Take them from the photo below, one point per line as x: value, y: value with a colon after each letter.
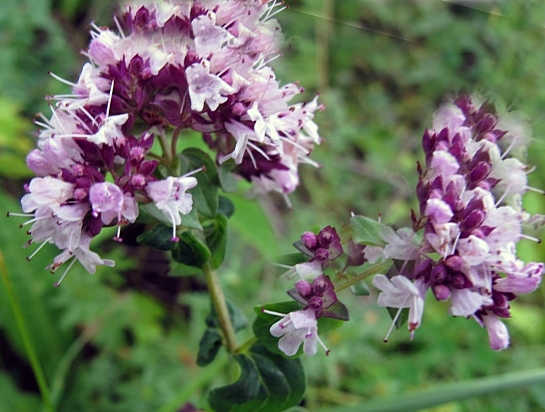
x: 29, y: 258
x: 396, y: 317
x: 57, y: 284
x: 271, y: 312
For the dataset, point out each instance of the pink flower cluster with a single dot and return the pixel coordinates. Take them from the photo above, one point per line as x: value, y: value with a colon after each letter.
x: 470, y: 194
x: 172, y: 65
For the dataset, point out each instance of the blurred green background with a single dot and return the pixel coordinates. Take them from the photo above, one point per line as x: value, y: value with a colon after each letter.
x: 126, y: 338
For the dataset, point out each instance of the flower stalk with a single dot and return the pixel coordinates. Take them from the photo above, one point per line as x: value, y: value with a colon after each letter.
x: 220, y: 305
x: 372, y: 270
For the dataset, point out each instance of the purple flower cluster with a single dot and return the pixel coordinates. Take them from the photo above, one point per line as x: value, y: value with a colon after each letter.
x: 203, y: 65
x: 173, y: 65
x: 469, y: 194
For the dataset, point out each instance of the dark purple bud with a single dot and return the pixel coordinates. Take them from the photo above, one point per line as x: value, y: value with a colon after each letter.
x: 459, y: 281
x: 423, y: 269
x: 454, y: 262
x: 304, y: 288
x: 239, y: 109
x: 443, y: 135
x: 80, y: 193
x: 138, y: 181
x: 486, y: 123
x: 427, y: 142
x: 473, y: 220
x: 310, y: 240
x: 438, y: 274
x: 315, y: 303
x: 479, y: 172
x: 441, y: 292
x: 321, y: 254
x: 355, y: 254
x: 327, y: 235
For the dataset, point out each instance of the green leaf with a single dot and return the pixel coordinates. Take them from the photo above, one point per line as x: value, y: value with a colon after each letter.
x: 209, y: 346
x: 226, y: 207
x: 159, y: 237
x: 205, y: 194
x: 191, y: 251
x: 227, y: 178
x: 441, y: 394
x: 264, y: 321
x: 191, y: 220
x: 215, y: 233
x: 368, y: 231
x: 267, y: 383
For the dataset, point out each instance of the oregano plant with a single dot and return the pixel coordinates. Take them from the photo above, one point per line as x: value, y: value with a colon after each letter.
x: 114, y: 152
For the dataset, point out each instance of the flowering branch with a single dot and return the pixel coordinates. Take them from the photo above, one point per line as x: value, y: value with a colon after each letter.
x: 370, y: 271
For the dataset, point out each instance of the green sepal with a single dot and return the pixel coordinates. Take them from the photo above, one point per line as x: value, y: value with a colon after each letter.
x: 369, y: 232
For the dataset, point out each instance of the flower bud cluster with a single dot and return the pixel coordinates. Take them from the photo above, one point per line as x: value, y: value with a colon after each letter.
x: 314, y: 291
x: 172, y: 65
x: 468, y: 253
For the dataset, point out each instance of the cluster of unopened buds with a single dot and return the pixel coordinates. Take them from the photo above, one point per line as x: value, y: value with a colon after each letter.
x: 171, y: 66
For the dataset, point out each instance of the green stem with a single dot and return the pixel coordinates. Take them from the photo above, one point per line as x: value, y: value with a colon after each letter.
x: 21, y: 325
x: 220, y: 305
x: 246, y: 345
x: 371, y: 270
x: 164, y: 147
x: 174, y: 146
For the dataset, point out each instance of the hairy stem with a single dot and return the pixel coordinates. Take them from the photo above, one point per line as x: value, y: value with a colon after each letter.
x: 371, y: 270
x: 220, y: 305
x: 21, y: 325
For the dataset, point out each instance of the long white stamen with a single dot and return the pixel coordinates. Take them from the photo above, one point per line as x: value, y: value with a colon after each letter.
x: 252, y: 159
x: 509, y: 148
x: 29, y: 258
x: 455, y: 244
x: 507, y: 190
x: 327, y: 351
x: 258, y: 150
x: 281, y: 265
x: 86, y: 112
x: 119, y: 27
x: 60, y: 79
x: 66, y: 272
x: 396, y: 317
x: 270, y: 9
x: 110, y: 99
x: 297, y: 145
x: 74, y: 135
x: 535, y: 189
x: 528, y: 237
x: 20, y: 214
x: 276, y: 12
x: 193, y: 172
x: 271, y: 312
x: 36, y: 219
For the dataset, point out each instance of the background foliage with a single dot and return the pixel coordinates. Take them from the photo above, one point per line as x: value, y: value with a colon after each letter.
x: 126, y: 339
